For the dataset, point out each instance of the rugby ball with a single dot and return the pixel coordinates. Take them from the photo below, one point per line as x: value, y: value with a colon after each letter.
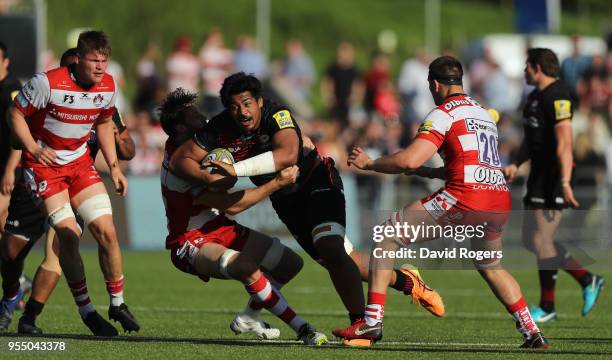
x: 219, y: 154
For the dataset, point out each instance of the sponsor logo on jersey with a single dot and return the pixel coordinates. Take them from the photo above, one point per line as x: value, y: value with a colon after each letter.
x: 563, y: 109
x: 42, y: 186
x: 489, y: 176
x: 491, y: 187
x: 473, y: 125
x: 283, y: 119
x: 439, y: 204
x: 68, y: 99
x: 454, y: 103
x: 27, y: 91
x: 21, y: 100
x: 60, y: 115
x: 97, y: 100
x: 425, y: 127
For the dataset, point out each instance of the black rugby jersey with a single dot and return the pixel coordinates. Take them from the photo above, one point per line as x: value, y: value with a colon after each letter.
x: 542, y: 111
x: 223, y: 132
x: 9, y: 87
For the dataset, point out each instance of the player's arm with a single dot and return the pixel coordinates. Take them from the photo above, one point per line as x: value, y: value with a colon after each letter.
x: 186, y: 163
x: 286, y: 147
x: 21, y: 131
x: 8, y: 178
x: 563, y: 133
x: 561, y: 109
x: 33, y: 97
x: 124, y: 144
x: 410, y: 158
x: 239, y: 201
x: 522, y: 156
x: 106, y: 139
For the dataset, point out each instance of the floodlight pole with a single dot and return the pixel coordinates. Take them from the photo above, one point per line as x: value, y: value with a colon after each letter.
x: 432, y: 26
x: 263, y: 27
x: 40, y: 11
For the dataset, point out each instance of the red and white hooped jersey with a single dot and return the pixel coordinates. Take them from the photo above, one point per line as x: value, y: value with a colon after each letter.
x: 179, y: 195
x: 61, y: 114
x: 466, y: 137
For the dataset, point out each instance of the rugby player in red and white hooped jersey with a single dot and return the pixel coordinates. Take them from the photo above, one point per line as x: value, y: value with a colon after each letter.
x: 475, y: 193
x: 205, y: 243
x: 61, y: 107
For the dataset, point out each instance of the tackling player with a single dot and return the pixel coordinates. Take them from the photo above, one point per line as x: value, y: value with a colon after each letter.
x: 467, y: 136
x: 205, y: 243
x: 548, y: 144
x: 264, y: 138
x: 62, y: 106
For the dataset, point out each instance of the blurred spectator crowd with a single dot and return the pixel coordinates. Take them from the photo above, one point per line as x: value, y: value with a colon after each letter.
x: 371, y: 107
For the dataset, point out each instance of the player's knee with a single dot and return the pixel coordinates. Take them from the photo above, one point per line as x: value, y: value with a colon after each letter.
x: 488, y: 265
x: 289, y: 266
x: 236, y: 266
x: 281, y: 259
x: 332, y: 251
x: 105, y: 234
x: 95, y: 207
x: 13, y: 248
x: 62, y: 217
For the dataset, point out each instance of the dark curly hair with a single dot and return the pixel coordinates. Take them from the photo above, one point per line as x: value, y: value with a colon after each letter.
x: 172, y: 108
x: 238, y: 83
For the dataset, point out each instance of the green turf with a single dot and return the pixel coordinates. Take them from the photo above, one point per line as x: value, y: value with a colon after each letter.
x: 184, y: 318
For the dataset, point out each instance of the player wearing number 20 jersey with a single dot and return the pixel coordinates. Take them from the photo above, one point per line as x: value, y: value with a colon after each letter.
x: 466, y: 137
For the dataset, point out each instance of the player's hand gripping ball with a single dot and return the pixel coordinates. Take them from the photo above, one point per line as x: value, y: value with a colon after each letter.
x: 219, y: 154
x: 222, y: 155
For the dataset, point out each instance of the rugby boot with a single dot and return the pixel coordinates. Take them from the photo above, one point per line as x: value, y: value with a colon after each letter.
x: 539, y: 315
x: 309, y: 336
x: 7, y: 307
x: 360, y: 330
x: 99, y: 326
x: 243, y: 323
x: 122, y: 314
x: 27, y: 326
x: 536, y: 341
x: 590, y: 293
x: 421, y: 292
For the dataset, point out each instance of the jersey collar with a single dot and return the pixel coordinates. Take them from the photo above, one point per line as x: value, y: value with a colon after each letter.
x: 72, y: 72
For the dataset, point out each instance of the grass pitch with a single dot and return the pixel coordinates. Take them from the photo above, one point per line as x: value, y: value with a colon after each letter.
x: 182, y: 317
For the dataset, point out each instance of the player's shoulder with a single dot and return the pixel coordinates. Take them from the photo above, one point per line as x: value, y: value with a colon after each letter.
x: 557, y: 91
x: 58, y: 73
x: 277, y: 115
x: 437, y: 119
x: 438, y: 114
x: 272, y: 108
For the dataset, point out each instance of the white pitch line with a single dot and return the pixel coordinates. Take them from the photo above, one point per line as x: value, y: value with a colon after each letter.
x: 382, y: 343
